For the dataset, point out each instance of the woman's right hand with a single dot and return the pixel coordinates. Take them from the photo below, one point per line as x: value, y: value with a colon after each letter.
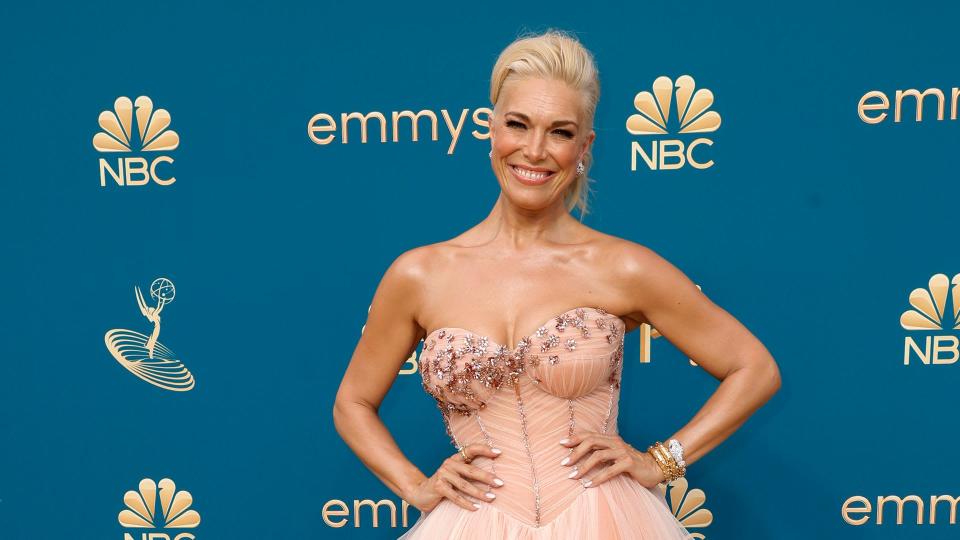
x: 453, y: 479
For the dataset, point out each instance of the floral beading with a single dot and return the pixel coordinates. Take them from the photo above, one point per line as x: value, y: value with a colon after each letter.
x: 456, y: 389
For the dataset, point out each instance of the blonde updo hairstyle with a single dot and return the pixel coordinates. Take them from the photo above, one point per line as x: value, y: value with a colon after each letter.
x: 556, y: 55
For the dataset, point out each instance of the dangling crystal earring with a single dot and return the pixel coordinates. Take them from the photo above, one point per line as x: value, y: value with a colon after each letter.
x: 580, y: 169
x: 491, y: 154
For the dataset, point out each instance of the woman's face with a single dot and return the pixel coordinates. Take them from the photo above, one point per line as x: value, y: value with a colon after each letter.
x: 538, y: 137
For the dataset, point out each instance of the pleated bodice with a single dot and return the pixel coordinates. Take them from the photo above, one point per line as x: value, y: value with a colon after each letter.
x: 563, y: 378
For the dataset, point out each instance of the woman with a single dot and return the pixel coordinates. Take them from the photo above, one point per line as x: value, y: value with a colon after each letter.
x: 535, y: 423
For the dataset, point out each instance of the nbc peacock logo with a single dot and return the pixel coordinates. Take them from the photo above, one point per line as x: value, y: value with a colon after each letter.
x: 174, y: 511
x: 118, y: 136
x: 936, y: 309
x: 145, y: 356
x: 687, y: 506
x: 654, y: 117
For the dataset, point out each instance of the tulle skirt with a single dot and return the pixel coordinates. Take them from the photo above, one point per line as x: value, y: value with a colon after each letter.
x: 618, y: 509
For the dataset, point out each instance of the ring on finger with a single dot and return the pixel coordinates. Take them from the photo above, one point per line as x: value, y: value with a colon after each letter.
x: 466, y: 459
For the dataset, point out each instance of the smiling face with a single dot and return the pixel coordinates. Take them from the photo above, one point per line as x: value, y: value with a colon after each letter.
x: 539, y: 134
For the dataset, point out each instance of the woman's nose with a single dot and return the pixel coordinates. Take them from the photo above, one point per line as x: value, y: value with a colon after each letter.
x: 535, y: 148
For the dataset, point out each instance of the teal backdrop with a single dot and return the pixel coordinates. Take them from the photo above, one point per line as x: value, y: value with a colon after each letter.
x: 812, y: 227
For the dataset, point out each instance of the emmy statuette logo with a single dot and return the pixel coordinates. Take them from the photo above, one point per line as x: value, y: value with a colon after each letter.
x: 118, y: 137
x: 145, y: 356
x: 174, y: 511
x: 931, y: 315
x: 654, y: 118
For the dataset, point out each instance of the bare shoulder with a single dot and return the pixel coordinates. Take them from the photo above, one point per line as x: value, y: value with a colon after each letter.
x: 411, y: 266
x: 405, y: 283
x: 405, y: 279
x: 415, y: 265
x: 640, y: 275
x: 632, y: 260
x: 623, y: 258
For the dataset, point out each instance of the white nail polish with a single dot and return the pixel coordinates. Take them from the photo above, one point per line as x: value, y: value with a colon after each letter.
x: 490, y: 495
x: 498, y: 481
x: 587, y: 483
x: 565, y: 460
x: 564, y: 441
x: 476, y: 505
x: 496, y: 450
x: 574, y: 473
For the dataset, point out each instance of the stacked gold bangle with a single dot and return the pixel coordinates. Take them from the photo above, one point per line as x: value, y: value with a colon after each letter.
x: 667, y: 463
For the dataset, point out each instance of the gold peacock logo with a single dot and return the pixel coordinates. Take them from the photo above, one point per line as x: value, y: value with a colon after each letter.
x: 653, y: 109
x: 117, y: 125
x: 929, y: 305
x: 174, y: 511
x: 687, y: 505
x: 931, y: 311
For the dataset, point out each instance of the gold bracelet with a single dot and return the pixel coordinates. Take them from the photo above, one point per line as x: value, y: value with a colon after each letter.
x: 654, y: 451
x: 679, y: 470
x: 663, y: 455
x: 668, y: 465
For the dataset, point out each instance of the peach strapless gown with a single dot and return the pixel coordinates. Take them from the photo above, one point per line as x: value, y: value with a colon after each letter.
x: 562, y: 379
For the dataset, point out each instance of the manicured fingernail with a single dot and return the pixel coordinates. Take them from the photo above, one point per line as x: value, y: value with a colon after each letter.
x: 498, y: 481
x: 496, y: 450
x: 490, y: 495
x: 565, y: 460
x: 476, y: 505
x: 587, y: 483
x: 574, y: 473
x: 564, y: 441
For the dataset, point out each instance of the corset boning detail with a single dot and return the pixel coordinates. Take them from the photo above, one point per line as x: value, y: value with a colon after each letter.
x: 562, y: 379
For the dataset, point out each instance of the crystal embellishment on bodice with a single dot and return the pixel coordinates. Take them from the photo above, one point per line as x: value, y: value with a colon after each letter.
x: 475, y: 367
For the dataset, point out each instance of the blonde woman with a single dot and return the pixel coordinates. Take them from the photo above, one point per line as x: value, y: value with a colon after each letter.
x: 523, y: 318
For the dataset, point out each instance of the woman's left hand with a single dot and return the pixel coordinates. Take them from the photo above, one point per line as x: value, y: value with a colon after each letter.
x: 591, y: 449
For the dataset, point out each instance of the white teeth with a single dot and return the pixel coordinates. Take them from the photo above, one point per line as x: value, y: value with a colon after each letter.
x: 530, y: 175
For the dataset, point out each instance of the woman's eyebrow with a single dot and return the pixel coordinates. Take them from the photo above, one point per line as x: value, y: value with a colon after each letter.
x: 555, y: 123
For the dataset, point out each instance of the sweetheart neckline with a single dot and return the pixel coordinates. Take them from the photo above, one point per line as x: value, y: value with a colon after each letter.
x: 544, y: 323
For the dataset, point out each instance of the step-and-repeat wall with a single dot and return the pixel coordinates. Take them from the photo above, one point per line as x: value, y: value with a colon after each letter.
x: 199, y: 201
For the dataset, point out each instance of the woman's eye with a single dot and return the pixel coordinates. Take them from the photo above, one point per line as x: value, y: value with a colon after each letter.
x: 567, y: 134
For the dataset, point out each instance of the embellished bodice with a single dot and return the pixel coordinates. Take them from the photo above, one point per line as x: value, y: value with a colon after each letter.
x: 563, y: 378
x: 461, y: 370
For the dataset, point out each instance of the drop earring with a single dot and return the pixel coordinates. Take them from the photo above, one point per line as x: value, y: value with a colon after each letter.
x: 580, y: 169
x: 491, y: 154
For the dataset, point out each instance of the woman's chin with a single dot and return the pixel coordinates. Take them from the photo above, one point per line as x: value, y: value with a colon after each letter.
x: 529, y: 198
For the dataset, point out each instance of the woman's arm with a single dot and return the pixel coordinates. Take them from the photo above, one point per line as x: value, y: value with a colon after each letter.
x: 664, y: 297
x: 390, y: 335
